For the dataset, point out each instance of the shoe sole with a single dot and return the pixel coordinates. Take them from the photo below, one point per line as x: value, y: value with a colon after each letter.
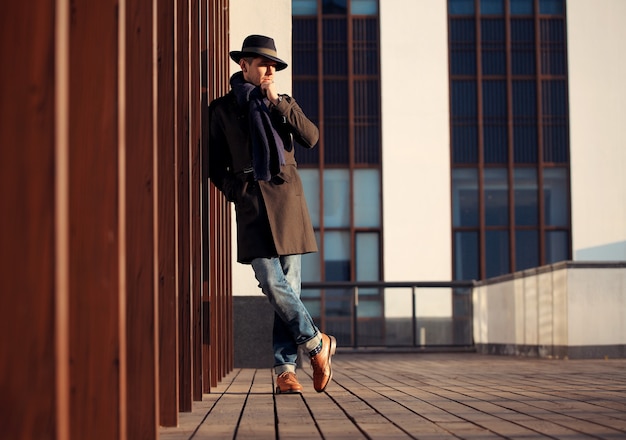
x: 278, y: 391
x: 333, y: 349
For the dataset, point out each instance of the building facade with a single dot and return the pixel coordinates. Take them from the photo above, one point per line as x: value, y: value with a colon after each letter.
x: 461, y: 139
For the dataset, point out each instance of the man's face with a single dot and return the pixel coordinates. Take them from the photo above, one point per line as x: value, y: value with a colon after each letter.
x: 260, y: 70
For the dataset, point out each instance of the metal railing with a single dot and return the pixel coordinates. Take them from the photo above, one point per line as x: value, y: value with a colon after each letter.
x: 457, y: 286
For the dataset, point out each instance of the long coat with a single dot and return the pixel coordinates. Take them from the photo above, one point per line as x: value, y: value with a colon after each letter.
x: 272, y: 216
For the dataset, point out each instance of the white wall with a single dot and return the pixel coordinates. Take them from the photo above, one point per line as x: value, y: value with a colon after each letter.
x: 271, y: 18
x: 597, y: 69
x: 416, y: 144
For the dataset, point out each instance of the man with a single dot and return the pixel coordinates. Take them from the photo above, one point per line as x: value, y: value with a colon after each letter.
x: 251, y: 161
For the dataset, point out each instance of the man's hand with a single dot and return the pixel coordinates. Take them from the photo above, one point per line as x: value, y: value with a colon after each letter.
x: 268, y: 88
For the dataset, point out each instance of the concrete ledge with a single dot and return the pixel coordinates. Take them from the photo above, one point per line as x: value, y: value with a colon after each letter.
x: 555, y: 352
x: 564, y: 310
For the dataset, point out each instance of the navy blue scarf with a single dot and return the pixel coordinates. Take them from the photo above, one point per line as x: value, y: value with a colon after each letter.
x: 267, y: 146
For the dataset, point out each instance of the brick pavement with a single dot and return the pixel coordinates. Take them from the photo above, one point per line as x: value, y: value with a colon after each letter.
x: 421, y: 396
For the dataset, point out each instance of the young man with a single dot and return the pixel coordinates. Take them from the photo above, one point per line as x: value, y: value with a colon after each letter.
x: 251, y: 160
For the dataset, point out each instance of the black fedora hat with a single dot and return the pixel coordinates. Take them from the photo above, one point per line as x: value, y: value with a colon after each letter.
x: 258, y: 45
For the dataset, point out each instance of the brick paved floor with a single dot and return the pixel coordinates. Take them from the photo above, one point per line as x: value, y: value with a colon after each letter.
x: 420, y: 396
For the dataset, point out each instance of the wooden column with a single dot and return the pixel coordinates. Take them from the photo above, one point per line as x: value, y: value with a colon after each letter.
x: 195, y: 158
x: 167, y: 235
x: 182, y: 125
x: 96, y: 292
x: 138, y: 177
x: 27, y: 221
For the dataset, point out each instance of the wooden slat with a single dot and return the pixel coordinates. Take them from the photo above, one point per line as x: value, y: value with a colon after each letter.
x: 257, y: 417
x: 141, y: 322
x: 195, y: 195
x: 182, y: 125
x: 222, y: 420
x: 167, y: 251
x: 423, y: 395
x: 96, y: 360
x: 27, y: 221
x: 204, y: 197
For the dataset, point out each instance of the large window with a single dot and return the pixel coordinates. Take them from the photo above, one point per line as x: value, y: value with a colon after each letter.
x: 336, y: 79
x: 509, y: 135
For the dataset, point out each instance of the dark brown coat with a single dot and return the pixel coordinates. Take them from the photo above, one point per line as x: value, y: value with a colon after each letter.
x: 272, y: 217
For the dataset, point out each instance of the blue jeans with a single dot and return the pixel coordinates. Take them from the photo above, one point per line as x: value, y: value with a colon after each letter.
x: 279, y: 279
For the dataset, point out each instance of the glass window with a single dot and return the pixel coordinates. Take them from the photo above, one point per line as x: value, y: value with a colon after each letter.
x: 557, y: 246
x: 514, y: 103
x: 370, y: 308
x: 551, y: 6
x: 305, y: 60
x: 466, y: 256
x: 311, y: 270
x: 465, y: 7
x: 496, y: 194
x: 464, y: 101
x: 465, y: 197
x: 524, y: 102
x: 364, y: 7
x: 521, y: 7
x: 526, y: 197
x: 464, y: 122
x: 337, y: 255
x: 556, y: 197
x: 365, y: 47
x: 493, y: 46
x: 494, y: 99
x: 464, y: 143
x: 367, y: 260
x: 336, y: 198
x: 366, y: 198
x: 496, y: 253
x: 553, y: 46
x: 495, y: 122
x: 366, y: 122
x: 526, y: 249
x: 310, y: 181
x: 523, y: 61
x: 335, y: 47
x: 336, y: 127
x: 334, y: 6
x: 303, y: 7
x: 492, y: 7
x: 463, y: 46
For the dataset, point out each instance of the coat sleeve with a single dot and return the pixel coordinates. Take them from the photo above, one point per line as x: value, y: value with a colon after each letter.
x: 304, y: 131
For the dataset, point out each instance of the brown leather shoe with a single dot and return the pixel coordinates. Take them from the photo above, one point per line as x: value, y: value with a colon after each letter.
x: 322, y: 372
x: 287, y: 383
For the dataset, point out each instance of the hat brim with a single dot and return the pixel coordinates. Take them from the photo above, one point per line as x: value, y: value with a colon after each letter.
x: 237, y: 55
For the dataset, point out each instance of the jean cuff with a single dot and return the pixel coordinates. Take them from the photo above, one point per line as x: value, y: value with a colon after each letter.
x: 312, y: 343
x: 279, y: 369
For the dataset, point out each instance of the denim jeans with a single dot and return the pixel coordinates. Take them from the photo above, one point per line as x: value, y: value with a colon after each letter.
x: 279, y: 279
